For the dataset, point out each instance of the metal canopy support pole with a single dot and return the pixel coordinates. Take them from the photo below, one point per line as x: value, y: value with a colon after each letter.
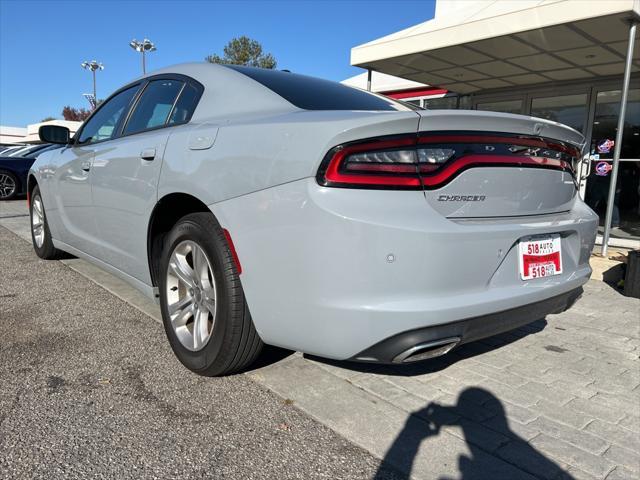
x: 618, y: 144
x: 369, y: 79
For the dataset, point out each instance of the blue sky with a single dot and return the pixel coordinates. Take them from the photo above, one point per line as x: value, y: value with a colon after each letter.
x: 42, y: 43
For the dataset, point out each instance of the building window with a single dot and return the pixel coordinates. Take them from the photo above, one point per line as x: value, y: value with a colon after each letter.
x: 606, y: 121
x: 568, y: 109
x: 414, y: 101
x: 442, y: 103
x: 464, y: 102
x: 504, y: 106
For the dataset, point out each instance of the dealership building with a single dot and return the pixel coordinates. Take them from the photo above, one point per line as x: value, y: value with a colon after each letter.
x: 563, y: 60
x: 29, y: 134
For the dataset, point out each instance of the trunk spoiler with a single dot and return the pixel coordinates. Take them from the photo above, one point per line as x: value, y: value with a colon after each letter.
x: 472, y: 120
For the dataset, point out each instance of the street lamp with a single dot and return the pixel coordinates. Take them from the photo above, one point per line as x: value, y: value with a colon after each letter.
x: 144, y: 46
x: 93, y: 66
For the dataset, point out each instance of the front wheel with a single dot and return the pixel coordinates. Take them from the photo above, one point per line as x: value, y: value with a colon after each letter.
x: 40, y: 234
x: 205, y: 314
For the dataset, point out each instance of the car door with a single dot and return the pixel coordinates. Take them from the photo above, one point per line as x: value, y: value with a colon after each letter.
x: 71, y: 182
x: 125, y: 175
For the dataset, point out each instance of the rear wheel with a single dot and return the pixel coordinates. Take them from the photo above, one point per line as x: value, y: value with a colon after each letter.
x: 8, y: 185
x: 40, y: 234
x: 204, y: 311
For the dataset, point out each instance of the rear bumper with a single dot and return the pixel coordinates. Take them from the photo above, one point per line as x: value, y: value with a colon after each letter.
x: 391, y: 349
x: 333, y: 272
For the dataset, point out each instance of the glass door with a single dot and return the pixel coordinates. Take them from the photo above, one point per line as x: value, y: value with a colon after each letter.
x: 626, y: 208
x: 571, y: 109
x: 568, y: 109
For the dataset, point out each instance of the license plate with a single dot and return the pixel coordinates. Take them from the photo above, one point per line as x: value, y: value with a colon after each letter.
x: 540, y: 257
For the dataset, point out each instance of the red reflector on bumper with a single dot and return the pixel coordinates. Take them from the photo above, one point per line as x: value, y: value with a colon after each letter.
x: 232, y: 248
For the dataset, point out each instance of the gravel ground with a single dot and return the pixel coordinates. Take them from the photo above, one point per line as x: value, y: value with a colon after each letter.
x: 91, y: 389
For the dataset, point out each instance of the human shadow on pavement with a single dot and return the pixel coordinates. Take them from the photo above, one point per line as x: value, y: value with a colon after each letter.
x: 437, y: 364
x: 480, y: 464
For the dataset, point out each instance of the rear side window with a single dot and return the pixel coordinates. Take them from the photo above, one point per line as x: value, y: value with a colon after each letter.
x: 310, y: 93
x: 185, y: 105
x: 154, y: 106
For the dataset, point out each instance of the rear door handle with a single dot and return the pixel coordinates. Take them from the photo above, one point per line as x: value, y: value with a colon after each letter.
x: 148, y: 154
x: 86, y: 166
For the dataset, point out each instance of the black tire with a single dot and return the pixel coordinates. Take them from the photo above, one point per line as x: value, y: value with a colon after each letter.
x: 46, y: 251
x: 234, y: 342
x: 10, y: 177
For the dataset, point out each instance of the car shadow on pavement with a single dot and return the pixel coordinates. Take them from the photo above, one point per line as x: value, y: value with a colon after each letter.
x: 437, y: 364
x: 269, y: 356
x: 480, y: 462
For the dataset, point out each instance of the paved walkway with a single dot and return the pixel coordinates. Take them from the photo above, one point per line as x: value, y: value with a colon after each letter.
x: 558, y: 399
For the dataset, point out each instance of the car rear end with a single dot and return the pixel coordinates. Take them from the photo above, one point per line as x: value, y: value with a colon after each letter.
x: 507, y: 239
x: 420, y: 231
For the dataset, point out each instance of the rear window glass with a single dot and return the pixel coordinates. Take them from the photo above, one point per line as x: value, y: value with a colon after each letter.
x: 310, y: 93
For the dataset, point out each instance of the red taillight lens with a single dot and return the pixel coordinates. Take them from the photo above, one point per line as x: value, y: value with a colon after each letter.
x: 430, y: 161
x: 377, y: 164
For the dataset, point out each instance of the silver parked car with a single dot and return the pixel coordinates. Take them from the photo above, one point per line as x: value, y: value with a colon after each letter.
x: 264, y: 206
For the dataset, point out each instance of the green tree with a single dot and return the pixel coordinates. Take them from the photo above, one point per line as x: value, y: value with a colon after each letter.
x: 244, y: 51
x: 46, y: 119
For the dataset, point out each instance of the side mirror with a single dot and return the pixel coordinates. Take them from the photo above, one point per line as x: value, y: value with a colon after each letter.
x: 54, y: 134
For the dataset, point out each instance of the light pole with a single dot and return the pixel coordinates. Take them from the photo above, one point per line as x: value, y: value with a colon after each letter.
x: 144, y: 46
x: 93, y: 66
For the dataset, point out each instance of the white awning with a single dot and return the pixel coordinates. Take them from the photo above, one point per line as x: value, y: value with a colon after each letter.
x: 508, y: 43
x: 381, y: 82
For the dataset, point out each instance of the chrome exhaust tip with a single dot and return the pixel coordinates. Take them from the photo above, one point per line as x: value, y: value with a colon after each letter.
x: 423, y: 351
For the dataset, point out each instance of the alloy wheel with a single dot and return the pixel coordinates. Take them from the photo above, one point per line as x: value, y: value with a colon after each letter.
x: 7, y: 185
x: 191, y: 295
x: 37, y: 221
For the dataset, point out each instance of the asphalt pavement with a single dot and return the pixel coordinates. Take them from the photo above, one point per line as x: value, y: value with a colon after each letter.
x: 91, y: 389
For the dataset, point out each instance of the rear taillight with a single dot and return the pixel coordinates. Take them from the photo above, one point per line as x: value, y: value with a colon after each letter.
x: 377, y: 164
x: 430, y: 161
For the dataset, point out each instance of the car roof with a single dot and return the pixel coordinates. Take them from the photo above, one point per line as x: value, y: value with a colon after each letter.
x: 227, y: 92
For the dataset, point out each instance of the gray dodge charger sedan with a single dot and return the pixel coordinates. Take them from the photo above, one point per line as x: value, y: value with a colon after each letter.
x: 262, y: 206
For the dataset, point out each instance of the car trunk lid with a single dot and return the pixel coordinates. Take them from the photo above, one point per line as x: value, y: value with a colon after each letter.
x: 496, y: 165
